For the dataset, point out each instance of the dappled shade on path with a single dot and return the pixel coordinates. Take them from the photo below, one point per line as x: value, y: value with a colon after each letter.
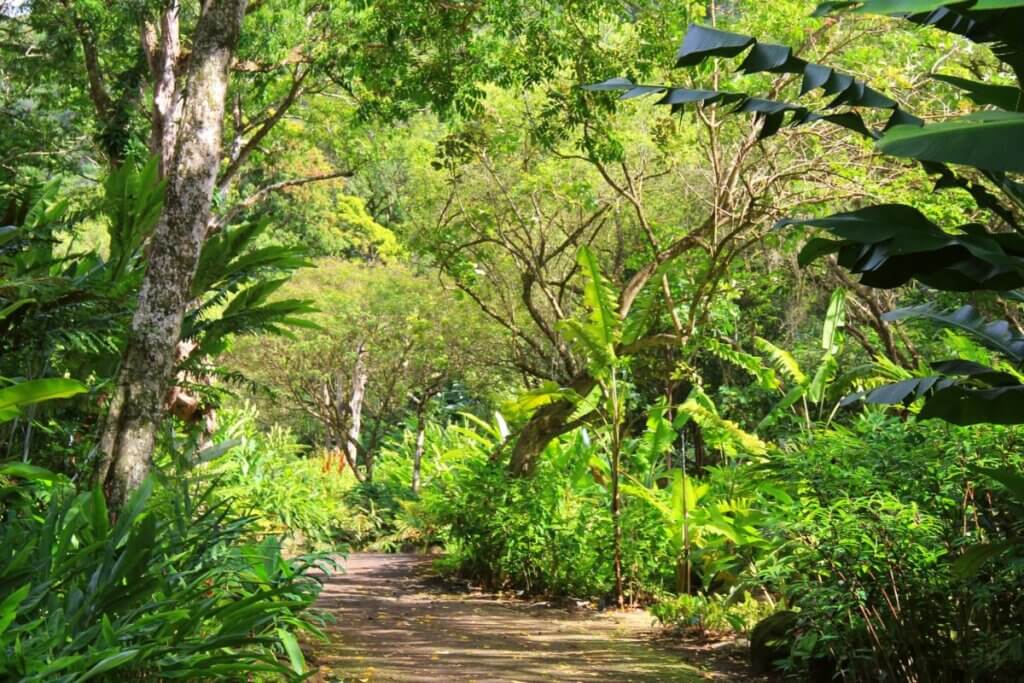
x: 395, y: 623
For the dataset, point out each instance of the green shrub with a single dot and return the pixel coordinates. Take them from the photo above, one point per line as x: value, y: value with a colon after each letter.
x: 168, y: 590
x: 717, y: 613
x: 866, y: 552
x: 269, y: 476
x: 549, y: 533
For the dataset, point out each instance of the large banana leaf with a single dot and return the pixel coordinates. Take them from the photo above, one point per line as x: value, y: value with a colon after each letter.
x: 1006, y: 97
x: 989, y: 140
x: 658, y: 437
x: 891, y: 244
x: 601, y: 332
x: 827, y: 371
x: 964, y: 405
x: 913, y: 6
x: 600, y: 299
x: 996, y: 335
x: 835, y: 320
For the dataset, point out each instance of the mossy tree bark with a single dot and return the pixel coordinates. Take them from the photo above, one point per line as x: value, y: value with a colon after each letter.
x: 138, y: 403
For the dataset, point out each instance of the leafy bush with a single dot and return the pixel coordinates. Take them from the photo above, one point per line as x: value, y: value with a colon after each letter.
x: 864, y: 552
x: 166, y: 591
x: 716, y: 613
x: 542, y: 535
x: 268, y: 475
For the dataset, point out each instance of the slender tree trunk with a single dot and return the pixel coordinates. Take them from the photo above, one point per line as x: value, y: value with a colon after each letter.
x: 162, y: 51
x: 685, y: 579
x: 699, y: 451
x: 417, y: 456
x: 616, y: 496
x: 355, y: 408
x: 617, y: 527
x: 138, y: 403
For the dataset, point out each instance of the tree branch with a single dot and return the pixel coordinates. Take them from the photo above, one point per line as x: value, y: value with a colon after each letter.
x: 260, y: 194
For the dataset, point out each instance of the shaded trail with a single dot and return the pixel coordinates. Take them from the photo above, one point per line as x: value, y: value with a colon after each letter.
x: 395, y: 622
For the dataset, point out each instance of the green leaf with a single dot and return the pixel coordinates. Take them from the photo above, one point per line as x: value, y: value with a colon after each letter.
x: 815, y: 248
x: 835, y: 318
x: 891, y: 7
x: 765, y: 376
x: 108, y: 664
x: 989, y: 140
x: 791, y: 397
x: 997, y: 335
x: 659, y: 435
x: 891, y: 244
x: 23, y: 470
x: 782, y: 360
x: 723, y: 526
x: 600, y: 298
x: 826, y: 372
x: 1006, y: 97
x: 291, y: 646
x: 599, y: 334
x: 702, y: 42
x: 651, y: 498
x: 14, y: 397
x: 217, y: 450
x: 587, y: 404
x: 970, y: 563
x: 9, y: 606
x: 1011, y: 479
x: 962, y: 405
x: 14, y: 307
x: 906, y: 391
x: 527, y: 402
x: 107, y: 631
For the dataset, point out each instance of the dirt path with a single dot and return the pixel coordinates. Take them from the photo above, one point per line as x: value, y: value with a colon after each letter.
x: 395, y: 622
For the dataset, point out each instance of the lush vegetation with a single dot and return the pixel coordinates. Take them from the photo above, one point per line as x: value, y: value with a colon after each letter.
x: 734, y: 336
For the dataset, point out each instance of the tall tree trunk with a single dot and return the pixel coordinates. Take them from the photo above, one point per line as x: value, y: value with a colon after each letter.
x: 417, y: 456
x: 355, y: 409
x: 338, y: 430
x: 139, y: 401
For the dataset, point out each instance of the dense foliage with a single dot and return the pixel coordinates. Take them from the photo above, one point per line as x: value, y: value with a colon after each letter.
x: 284, y: 277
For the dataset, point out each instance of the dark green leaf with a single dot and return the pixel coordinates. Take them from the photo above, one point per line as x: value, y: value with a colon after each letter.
x: 1005, y: 97
x: 702, y: 42
x: 987, y: 140
x: 970, y: 563
x: 996, y: 335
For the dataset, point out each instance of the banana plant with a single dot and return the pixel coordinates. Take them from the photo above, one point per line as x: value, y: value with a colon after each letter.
x: 595, y: 337
x: 806, y: 388
x: 692, y: 520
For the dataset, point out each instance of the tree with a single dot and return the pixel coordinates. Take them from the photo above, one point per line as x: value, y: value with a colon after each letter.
x: 388, y: 342
x: 190, y: 170
x: 690, y: 220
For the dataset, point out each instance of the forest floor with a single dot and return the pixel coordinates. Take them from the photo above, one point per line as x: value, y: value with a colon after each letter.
x: 397, y: 621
